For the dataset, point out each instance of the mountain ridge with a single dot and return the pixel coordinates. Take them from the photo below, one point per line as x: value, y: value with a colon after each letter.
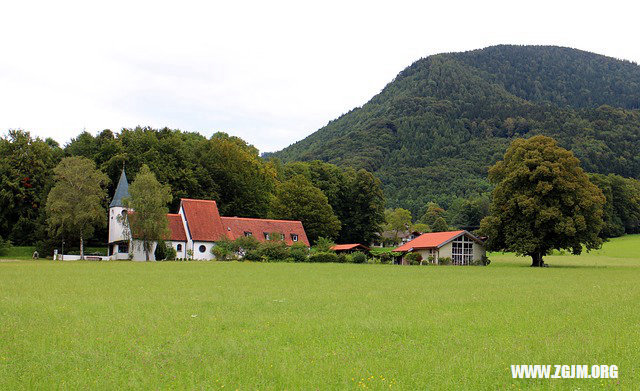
x: 433, y: 131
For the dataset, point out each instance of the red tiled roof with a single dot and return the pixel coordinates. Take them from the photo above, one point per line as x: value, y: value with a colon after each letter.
x: 344, y: 247
x: 203, y: 219
x: 176, y: 228
x: 429, y: 240
x: 236, y: 227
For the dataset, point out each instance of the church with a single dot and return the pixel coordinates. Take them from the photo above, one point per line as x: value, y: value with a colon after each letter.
x: 194, y: 229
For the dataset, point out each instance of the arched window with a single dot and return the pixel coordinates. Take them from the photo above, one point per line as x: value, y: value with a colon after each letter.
x: 202, y: 248
x: 179, y: 247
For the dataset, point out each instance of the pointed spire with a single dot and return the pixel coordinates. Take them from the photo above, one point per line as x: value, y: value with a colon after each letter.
x: 122, y: 191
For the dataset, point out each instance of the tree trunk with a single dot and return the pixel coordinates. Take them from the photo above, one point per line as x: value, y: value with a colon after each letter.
x: 536, y: 259
x: 81, y: 248
x: 146, y: 250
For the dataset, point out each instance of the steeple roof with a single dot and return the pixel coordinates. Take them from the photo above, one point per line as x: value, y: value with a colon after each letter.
x: 122, y: 191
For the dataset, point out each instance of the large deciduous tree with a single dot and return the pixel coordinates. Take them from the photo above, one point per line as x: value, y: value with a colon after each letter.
x: 298, y: 199
x: 397, y: 220
x: 543, y: 200
x: 74, y: 204
x: 148, y: 201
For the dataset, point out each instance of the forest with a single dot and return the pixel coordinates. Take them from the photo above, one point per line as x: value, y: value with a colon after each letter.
x: 337, y: 203
x: 432, y: 133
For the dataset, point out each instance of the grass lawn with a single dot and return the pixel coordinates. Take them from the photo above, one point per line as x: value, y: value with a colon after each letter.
x: 215, y: 325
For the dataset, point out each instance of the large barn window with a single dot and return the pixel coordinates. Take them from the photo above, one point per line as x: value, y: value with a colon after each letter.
x: 462, y: 251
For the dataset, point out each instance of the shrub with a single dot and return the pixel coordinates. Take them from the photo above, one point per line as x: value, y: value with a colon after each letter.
x: 170, y: 253
x: 223, y: 250
x: 5, y: 245
x: 272, y: 250
x: 373, y: 261
x: 342, y: 258
x: 161, y: 250
x: 386, y: 257
x: 445, y: 261
x: 359, y: 257
x: 244, y: 244
x: 323, y: 257
x: 323, y: 244
x: 252, y: 255
x: 299, y: 252
x: 413, y: 258
x: 484, y: 261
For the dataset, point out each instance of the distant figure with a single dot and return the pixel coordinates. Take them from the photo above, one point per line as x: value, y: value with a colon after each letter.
x: 36, y: 255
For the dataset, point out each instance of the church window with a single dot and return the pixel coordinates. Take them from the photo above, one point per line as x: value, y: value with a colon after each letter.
x: 202, y: 248
x: 179, y: 247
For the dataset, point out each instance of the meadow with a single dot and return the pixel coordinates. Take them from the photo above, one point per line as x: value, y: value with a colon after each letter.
x: 242, y: 325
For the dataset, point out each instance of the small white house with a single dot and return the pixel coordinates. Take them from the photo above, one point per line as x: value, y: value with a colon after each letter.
x: 461, y: 246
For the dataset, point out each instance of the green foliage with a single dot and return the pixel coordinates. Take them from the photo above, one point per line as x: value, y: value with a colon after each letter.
x: 148, y: 199
x: 26, y: 176
x: 433, y: 213
x: 323, y: 244
x: 440, y: 225
x: 420, y: 227
x: 224, y: 249
x: 413, y: 258
x: 298, y: 199
x: 323, y: 257
x: 74, y: 204
x: 273, y: 250
x: 5, y: 245
x: 246, y: 243
x: 170, y: 253
x: 299, y: 252
x: 542, y: 201
x: 161, y: 250
x: 445, y: 261
x: 622, y: 206
x: 466, y: 213
x: 431, y: 133
x: 397, y: 220
x: 358, y: 257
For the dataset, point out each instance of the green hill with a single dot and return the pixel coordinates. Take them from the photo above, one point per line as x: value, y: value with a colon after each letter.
x: 432, y: 133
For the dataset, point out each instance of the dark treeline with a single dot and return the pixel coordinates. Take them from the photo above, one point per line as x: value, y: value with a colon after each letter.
x: 349, y: 204
x: 433, y: 132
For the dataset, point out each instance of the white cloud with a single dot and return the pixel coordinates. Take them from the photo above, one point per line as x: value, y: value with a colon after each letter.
x: 269, y: 72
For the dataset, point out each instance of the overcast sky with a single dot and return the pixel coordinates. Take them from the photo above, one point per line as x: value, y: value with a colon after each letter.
x: 271, y: 72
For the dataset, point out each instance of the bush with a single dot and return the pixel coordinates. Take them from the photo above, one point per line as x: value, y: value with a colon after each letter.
x: 170, y: 253
x: 323, y: 257
x: 223, y: 250
x: 359, y: 257
x: 445, y: 261
x: 5, y: 245
x: 161, y: 251
x: 323, y: 245
x: 299, y: 252
x: 386, y: 257
x: 253, y: 255
x: 484, y: 261
x: 413, y: 258
x: 373, y: 261
x: 244, y: 244
x: 273, y: 250
x: 342, y: 258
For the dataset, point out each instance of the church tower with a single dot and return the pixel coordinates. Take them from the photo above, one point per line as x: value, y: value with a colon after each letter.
x: 118, y: 242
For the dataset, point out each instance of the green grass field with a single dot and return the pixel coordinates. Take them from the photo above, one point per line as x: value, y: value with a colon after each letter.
x: 214, y: 325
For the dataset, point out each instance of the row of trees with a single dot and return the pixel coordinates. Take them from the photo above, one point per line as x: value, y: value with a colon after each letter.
x: 342, y: 204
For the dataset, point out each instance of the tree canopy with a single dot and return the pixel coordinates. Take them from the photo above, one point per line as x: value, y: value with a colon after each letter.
x: 542, y: 201
x: 148, y: 199
x: 298, y: 199
x: 75, y: 203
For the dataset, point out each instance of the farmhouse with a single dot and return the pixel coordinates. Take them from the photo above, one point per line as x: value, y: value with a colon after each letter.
x: 461, y: 246
x: 195, y: 229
